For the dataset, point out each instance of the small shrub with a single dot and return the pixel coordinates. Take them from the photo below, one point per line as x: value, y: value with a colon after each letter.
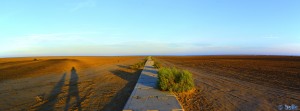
x: 175, y: 80
x: 148, y: 57
x: 156, y: 63
x: 138, y: 65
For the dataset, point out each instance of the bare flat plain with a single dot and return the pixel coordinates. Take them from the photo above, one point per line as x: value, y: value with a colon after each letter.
x: 239, y: 82
x: 66, y: 83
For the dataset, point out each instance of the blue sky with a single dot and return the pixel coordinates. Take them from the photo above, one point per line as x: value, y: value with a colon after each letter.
x: 149, y: 27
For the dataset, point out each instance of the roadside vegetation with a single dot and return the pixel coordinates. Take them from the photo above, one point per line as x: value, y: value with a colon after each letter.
x: 156, y: 64
x: 173, y: 79
x: 140, y: 64
x: 148, y: 57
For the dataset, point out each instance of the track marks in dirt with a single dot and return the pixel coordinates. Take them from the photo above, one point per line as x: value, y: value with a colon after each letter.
x: 232, y: 83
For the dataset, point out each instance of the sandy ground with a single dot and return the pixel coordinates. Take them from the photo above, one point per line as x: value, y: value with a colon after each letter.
x: 243, y: 83
x: 66, y: 83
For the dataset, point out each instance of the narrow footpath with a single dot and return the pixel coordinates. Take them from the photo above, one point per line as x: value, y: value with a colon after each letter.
x: 147, y: 97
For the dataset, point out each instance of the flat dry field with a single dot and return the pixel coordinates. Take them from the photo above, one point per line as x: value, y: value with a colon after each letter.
x: 240, y: 82
x: 51, y: 83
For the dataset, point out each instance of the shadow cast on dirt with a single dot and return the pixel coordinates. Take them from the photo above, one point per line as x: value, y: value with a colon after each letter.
x: 119, y: 100
x: 53, y: 98
x: 73, y: 90
x: 123, y: 66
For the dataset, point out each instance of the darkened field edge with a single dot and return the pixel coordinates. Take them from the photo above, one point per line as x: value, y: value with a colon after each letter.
x: 119, y: 100
x: 140, y: 64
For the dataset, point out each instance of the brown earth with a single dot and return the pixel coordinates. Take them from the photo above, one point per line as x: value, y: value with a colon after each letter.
x: 239, y: 82
x: 51, y: 83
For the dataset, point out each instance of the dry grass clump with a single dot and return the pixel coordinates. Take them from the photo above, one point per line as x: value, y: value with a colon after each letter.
x: 175, y: 80
x: 148, y: 57
x: 140, y: 64
x: 157, y: 64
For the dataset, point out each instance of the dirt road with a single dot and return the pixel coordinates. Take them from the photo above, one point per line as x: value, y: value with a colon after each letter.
x: 66, y: 83
x: 240, y: 82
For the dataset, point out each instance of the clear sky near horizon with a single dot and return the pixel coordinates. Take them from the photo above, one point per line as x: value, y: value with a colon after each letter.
x: 149, y: 27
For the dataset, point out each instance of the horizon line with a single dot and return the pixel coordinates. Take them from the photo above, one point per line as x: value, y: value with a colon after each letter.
x: 151, y: 55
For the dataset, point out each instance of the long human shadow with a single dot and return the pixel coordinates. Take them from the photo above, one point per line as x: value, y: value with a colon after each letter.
x: 119, y: 100
x: 52, y: 99
x: 73, y: 90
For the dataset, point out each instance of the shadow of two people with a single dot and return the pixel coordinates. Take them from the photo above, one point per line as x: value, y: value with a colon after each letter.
x: 72, y: 92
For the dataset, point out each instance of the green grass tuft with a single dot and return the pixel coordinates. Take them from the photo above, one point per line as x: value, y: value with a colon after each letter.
x: 175, y: 80
x: 148, y: 57
x: 139, y: 65
x: 157, y: 65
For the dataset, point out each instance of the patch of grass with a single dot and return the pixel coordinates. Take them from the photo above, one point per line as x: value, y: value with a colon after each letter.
x: 157, y: 64
x: 148, y: 57
x: 139, y: 65
x: 175, y: 80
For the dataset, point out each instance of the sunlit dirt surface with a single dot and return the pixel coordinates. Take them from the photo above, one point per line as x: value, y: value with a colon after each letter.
x: 240, y: 82
x: 66, y: 83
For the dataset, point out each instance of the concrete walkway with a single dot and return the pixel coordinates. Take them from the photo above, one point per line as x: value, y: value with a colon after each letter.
x: 146, y: 96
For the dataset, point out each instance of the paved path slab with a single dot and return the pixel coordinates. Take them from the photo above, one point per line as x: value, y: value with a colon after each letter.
x: 146, y: 96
